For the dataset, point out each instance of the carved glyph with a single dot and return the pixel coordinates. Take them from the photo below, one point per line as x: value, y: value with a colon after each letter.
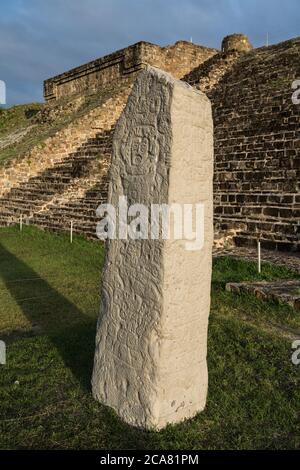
x: 150, y: 359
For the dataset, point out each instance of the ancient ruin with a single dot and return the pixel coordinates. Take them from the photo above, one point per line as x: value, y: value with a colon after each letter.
x: 150, y: 360
x: 256, y: 139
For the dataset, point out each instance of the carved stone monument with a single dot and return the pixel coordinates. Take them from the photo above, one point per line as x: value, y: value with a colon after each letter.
x: 151, y: 345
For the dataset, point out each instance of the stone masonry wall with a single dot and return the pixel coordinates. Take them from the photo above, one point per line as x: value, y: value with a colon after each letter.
x: 206, y: 76
x: 177, y: 59
x: 257, y: 148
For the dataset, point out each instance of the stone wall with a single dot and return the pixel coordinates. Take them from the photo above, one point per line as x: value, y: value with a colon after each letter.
x: 236, y: 42
x: 257, y: 148
x: 177, y: 59
x: 207, y: 75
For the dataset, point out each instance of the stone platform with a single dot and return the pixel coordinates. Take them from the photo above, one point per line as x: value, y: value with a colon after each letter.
x: 289, y: 260
x: 282, y: 291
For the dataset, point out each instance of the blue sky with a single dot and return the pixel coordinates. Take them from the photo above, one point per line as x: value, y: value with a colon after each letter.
x: 41, y: 38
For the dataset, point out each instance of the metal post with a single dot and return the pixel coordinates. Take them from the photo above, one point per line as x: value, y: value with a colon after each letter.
x: 259, y: 256
x: 21, y: 223
x: 71, y: 232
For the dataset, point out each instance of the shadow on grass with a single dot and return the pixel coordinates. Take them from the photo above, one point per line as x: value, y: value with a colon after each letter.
x: 253, y: 398
x: 75, y: 341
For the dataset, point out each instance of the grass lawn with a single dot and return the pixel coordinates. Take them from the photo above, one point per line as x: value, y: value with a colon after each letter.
x: 49, y: 297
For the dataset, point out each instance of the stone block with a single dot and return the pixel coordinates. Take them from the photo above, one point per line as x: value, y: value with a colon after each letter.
x: 151, y: 345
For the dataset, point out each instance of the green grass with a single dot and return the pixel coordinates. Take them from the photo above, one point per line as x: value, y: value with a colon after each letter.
x: 268, y: 315
x: 13, y: 121
x: 17, y: 117
x: 46, y: 402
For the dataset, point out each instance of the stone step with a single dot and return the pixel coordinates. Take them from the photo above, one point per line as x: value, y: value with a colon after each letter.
x: 78, y: 223
x: 32, y: 193
x: 63, y: 180
x: 8, y: 212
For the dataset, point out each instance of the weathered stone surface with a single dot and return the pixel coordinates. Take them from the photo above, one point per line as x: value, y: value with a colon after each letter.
x: 256, y: 143
x: 150, y: 359
x: 290, y: 260
x: 236, y: 42
x: 283, y: 291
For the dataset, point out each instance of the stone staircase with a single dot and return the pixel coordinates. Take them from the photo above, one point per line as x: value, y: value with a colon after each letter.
x: 70, y: 185
x: 80, y: 211
x: 55, y: 187
x: 207, y: 76
x: 78, y: 203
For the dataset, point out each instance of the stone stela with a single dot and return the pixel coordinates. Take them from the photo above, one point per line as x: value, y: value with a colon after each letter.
x: 151, y: 344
